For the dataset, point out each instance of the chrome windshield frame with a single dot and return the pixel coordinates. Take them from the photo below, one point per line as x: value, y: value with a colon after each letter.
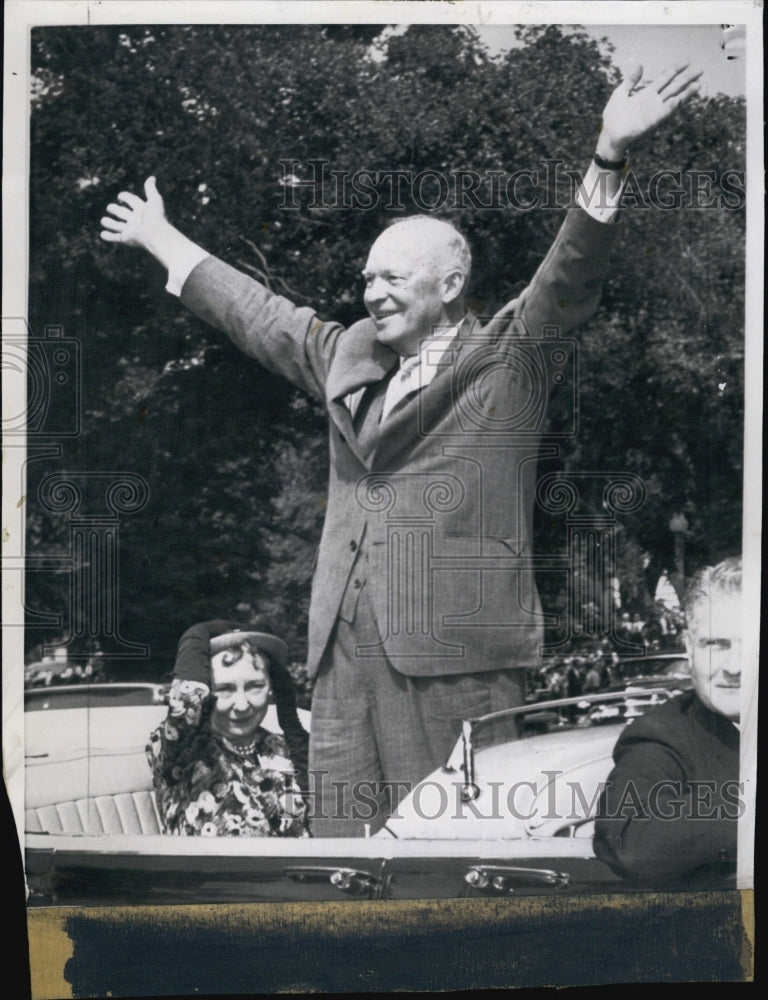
x: 462, y: 757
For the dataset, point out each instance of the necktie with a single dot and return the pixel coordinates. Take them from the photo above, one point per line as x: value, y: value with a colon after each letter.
x: 404, y: 382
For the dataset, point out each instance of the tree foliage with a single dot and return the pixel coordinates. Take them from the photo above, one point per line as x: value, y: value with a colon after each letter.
x: 234, y: 458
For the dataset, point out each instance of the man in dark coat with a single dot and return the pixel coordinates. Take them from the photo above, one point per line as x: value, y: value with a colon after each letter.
x: 669, y: 812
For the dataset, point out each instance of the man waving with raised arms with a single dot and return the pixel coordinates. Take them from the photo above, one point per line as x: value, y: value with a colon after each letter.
x: 424, y: 607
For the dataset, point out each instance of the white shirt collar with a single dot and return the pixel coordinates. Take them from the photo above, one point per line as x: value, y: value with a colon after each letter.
x: 417, y: 371
x: 431, y: 354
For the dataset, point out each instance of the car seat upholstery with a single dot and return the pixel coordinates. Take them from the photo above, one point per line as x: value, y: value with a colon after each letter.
x: 98, y: 794
x: 86, y: 769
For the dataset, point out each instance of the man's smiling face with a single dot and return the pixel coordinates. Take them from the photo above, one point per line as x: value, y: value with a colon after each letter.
x: 714, y: 644
x: 409, y: 281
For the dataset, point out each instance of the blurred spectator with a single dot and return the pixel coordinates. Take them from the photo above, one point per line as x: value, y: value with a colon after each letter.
x: 592, y: 678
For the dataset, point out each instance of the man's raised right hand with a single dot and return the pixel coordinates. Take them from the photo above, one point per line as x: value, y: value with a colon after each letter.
x: 135, y: 222
x: 138, y: 223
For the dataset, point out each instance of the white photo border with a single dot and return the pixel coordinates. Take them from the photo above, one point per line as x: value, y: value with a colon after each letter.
x: 21, y: 16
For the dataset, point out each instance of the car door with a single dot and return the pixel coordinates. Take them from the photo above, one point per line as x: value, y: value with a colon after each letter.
x: 156, y: 869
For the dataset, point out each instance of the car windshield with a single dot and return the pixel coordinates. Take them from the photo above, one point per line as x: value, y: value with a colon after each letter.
x: 643, y: 684
x: 93, y: 696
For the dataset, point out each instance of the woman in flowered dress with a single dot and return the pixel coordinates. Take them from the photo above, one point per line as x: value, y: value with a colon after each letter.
x: 216, y: 770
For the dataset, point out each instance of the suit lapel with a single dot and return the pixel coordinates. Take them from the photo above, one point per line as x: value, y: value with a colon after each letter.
x: 416, y: 413
x: 360, y: 360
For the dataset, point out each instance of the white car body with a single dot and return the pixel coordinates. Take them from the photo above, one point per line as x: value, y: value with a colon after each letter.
x: 499, y: 818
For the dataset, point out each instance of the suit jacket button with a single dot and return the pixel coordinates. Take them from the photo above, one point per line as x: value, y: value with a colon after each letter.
x: 356, y: 584
x: 353, y: 546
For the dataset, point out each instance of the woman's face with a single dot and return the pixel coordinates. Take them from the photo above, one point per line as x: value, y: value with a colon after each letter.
x: 241, y: 689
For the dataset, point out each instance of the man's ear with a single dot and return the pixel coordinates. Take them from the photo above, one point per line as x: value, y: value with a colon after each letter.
x: 453, y: 285
x: 688, y: 646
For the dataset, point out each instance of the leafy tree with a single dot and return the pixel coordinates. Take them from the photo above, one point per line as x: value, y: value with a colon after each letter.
x: 234, y: 458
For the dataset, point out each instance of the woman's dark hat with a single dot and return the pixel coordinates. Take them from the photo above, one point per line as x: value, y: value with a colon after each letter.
x: 265, y: 642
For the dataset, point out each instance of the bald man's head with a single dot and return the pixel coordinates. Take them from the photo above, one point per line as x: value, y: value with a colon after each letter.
x: 415, y: 278
x: 439, y: 241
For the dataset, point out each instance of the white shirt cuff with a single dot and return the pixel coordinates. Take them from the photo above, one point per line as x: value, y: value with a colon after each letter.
x: 185, y: 260
x: 593, y: 197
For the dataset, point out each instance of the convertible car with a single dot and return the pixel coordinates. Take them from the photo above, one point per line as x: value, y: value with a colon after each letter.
x: 501, y: 817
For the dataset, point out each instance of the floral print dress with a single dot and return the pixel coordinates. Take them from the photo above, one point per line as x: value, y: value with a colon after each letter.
x: 220, y: 792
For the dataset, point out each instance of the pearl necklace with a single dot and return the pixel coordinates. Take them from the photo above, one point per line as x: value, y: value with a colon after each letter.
x: 245, y: 750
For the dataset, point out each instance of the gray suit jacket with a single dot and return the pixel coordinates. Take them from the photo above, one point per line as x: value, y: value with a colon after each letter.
x: 436, y: 522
